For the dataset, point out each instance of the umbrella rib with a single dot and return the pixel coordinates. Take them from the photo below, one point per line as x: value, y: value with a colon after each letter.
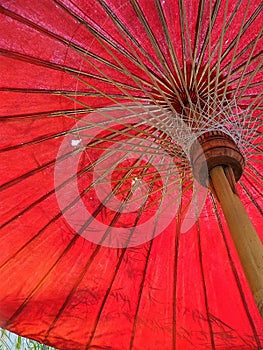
x: 172, y: 190
x: 38, y: 285
x: 251, y: 198
x: 208, y: 42
x: 238, y: 79
x: 198, y: 27
x: 59, y: 113
x: 175, y: 275
x: 141, y: 287
x: 235, y: 50
x: 72, y: 93
x: 134, y: 127
x: 186, y: 40
x: 207, y: 39
x: 84, y: 271
x: 74, y: 201
x: 140, y: 132
x: 35, y: 141
x: 109, y: 79
x: 220, y: 42
x: 176, y: 65
x: 140, y: 295
x: 252, y: 44
x: 141, y: 87
x: 172, y: 52
x: 118, y: 47
x: 253, y: 85
x: 76, y: 284
x: 103, y: 94
x: 116, y: 21
x: 234, y: 43
x: 59, y: 67
x: 258, y: 153
x: 152, y: 77
x: 80, y: 50
x: 258, y: 150
x: 109, y: 138
x: 44, y: 197
x: 257, y: 105
x: 195, y: 67
x: 208, y: 315
x: 183, y: 43
x: 171, y: 183
x: 184, y: 25
x: 251, y: 77
x: 65, y: 251
x: 173, y: 55
x: 115, y: 272
x: 150, y: 150
x: 154, y: 80
x: 153, y: 40
x: 125, y: 30
x: 242, y: 30
x: 235, y: 273
x: 40, y: 168
x: 72, y: 45
x: 48, y: 114
x: 32, y: 172
x: 234, y: 80
x: 48, y: 194
x: 240, y: 67
x: 106, y: 295
x: 254, y: 175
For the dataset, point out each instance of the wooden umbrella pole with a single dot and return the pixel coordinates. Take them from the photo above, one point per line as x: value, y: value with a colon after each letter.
x: 246, y: 240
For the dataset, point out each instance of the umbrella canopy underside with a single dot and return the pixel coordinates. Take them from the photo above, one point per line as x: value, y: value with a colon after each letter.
x: 105, y: 241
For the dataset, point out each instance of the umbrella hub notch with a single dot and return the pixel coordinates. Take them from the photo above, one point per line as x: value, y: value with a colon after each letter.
x: 214, y: 148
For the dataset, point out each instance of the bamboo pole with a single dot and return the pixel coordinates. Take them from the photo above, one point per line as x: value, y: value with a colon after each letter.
x: 246, y: 240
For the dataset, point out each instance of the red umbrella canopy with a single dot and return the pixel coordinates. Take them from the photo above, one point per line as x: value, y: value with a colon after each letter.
x: 108, y: 241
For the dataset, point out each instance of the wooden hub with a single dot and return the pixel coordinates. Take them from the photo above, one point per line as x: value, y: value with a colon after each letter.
x: 215, y: 148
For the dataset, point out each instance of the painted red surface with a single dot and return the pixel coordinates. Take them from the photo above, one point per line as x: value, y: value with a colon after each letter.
x: 177, y: 291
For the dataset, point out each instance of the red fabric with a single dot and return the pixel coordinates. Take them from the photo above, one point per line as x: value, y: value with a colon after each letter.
x: 177, y: 291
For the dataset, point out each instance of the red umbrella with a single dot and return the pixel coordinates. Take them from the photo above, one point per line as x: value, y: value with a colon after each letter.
x: 110, y: 237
